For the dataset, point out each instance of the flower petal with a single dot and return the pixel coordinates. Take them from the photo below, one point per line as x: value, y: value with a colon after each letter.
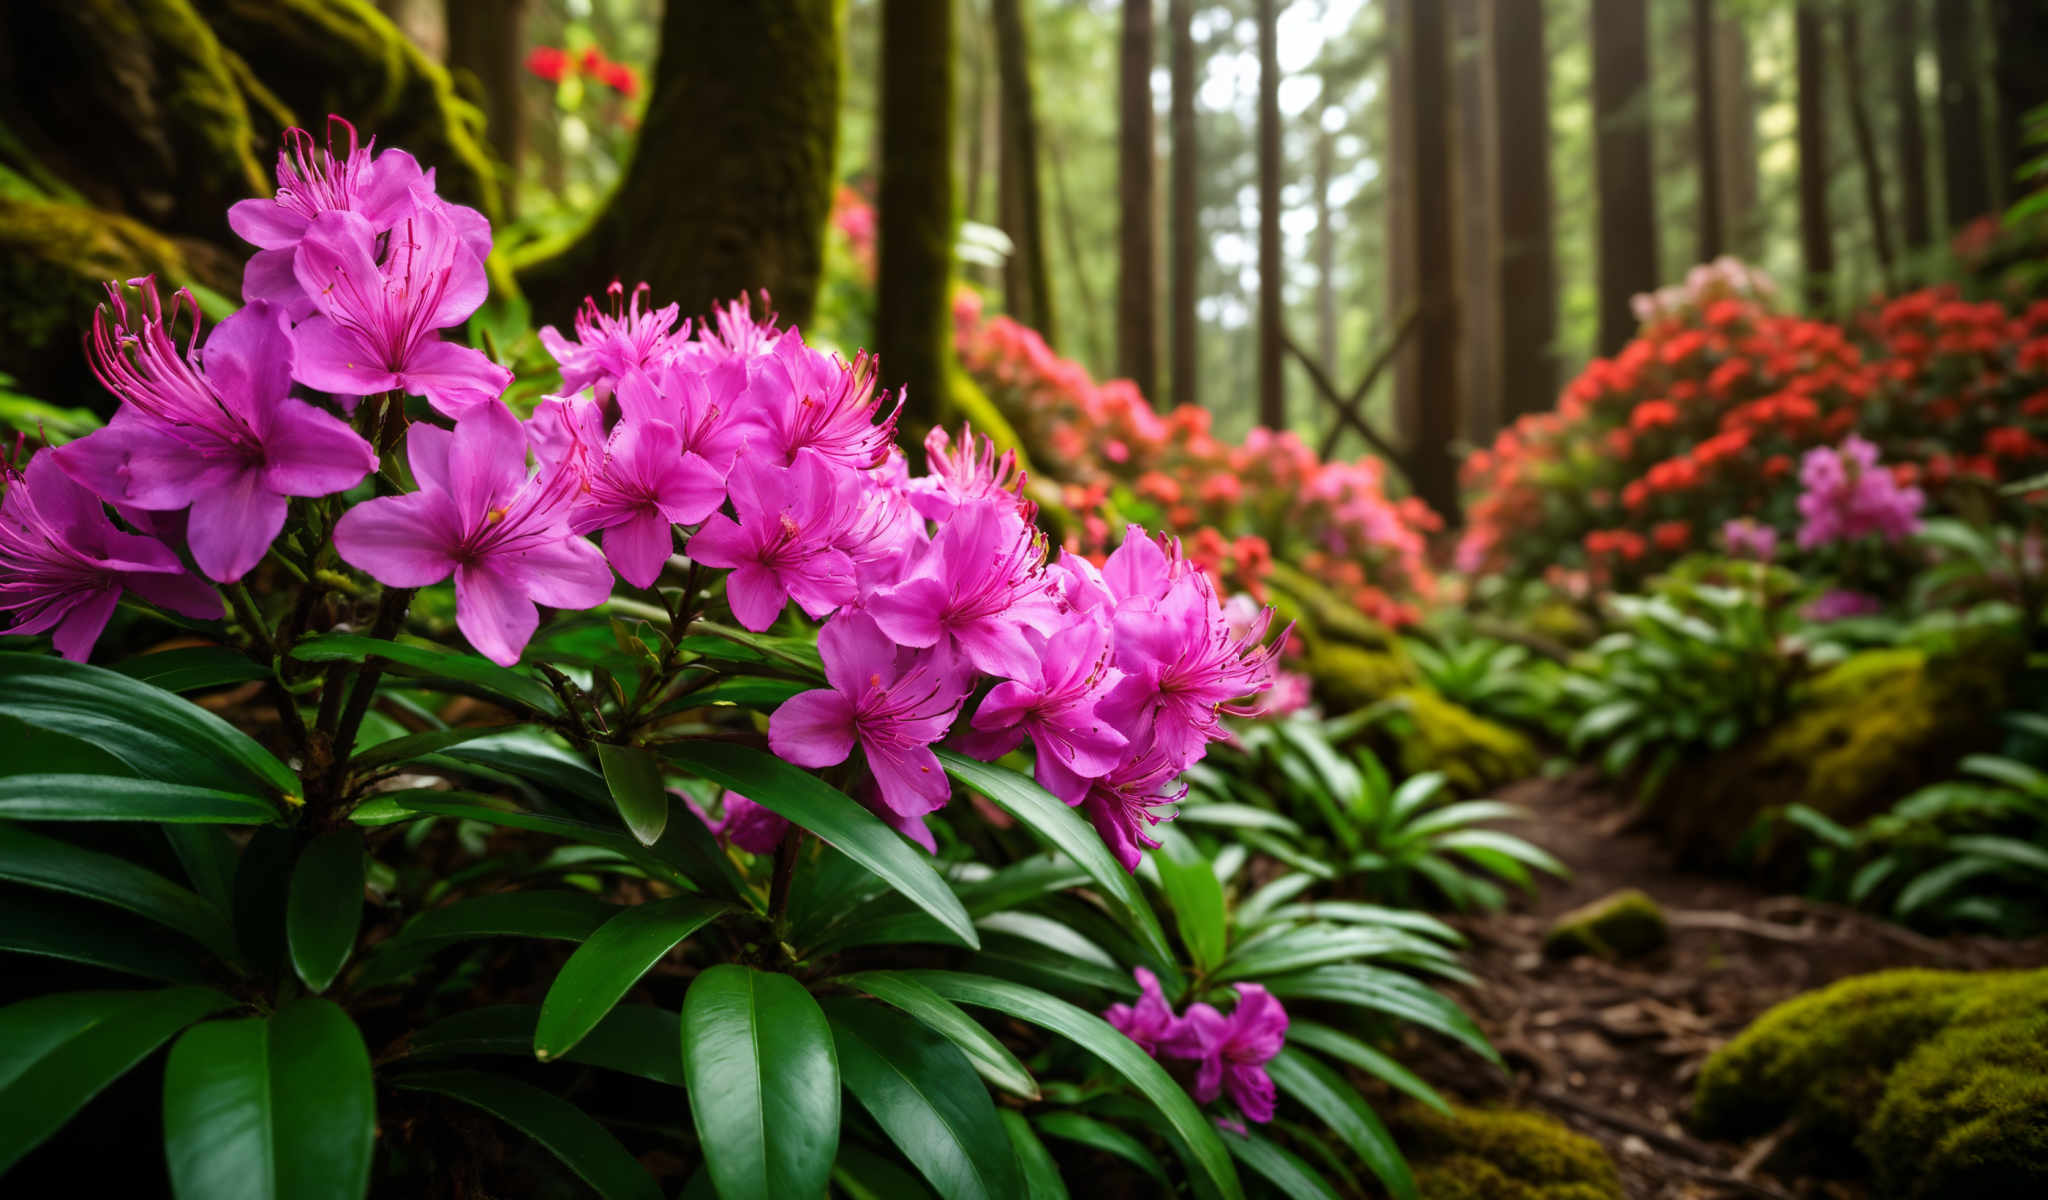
x: 493, y: 612
x: 453, y: 378
x: 638, y: 547
x: 401, y: 541
x: 570, y: 573
x: 331, y: 359
x: 231, y: 528
x: 311, y: 452
x: 812, y: 729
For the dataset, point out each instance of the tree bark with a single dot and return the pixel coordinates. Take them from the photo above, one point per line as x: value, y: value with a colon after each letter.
x: 1272, y: 381
x: 1816, y: 235
x: 1622, y: 165
x: 1965, y: 171
x: 1324, y: 249
x: 1184, y: 251
x: 1137, y: 289
x: 1399, y: 208
x: 1526, y: 292
x: 2019, y: 31
x: 913, y: 317
x: 1478, y: 226
x: 731, y: 182
x: 1866, y: 145
x: 1904, y: 35
x: 1706, y: 134
x: 1027, y: 276
x: 1735, y: 126
x: 1434, y: 471
x: 487, y: 38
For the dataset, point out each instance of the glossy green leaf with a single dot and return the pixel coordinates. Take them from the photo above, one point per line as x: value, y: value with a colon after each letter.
x: 609, y: 962
x: 271, y: 1108
x: 854, y: 831
x: 406, y: 658
x: 1062, y: 829
x: 193, y: 668
x: 746, y: 691
x: 1097, y: 1135
x: 1041, y: 1173
x: 48, y: 926
x: 988, y: 1055
x: 1345, y: 1113
x: 1345, y: 1048
x: 415, y: 745
x: 924, y: 1094
x: 1095, y: 1035
x: 324, y: 909
x: 569, y: 1133
x: 1281, y: 1168
x: 119, y: 798
x: 57, y: 1052
x: 764, y: 1083
x: 59, y: 866
x: 1196, y: 897
x: 558, y: 916
x: 634, y: 776
x: 1380, y: 990
x: 631, y: 1039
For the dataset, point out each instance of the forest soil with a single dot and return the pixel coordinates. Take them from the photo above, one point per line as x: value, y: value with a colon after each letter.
x: 1612, y: 1049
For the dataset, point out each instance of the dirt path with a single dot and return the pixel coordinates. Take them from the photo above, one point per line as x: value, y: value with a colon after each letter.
x: 1613, y: 1049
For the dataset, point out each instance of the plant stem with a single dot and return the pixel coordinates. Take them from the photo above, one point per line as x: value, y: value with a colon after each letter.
x: 250, y: 617
x: 390, y: 614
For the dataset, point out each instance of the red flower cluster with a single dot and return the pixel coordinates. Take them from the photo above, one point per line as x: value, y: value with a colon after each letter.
x: 555, y: 64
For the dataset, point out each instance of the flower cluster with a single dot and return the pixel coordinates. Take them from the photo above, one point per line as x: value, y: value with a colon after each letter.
x: 556, y: 65
x: 1230, y: 1052
x: 1847, y: 496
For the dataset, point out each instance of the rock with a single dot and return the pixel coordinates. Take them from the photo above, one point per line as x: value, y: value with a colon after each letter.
x: 1627, y: 924
x: 1501, y: 1154
x: 1478, y: 755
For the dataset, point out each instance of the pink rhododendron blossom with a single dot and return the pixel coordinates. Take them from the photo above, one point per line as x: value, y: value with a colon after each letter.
x: 637, y: 483
x: 1150, y: 1022
x: 478, y: 516
x: 217, y: 432
x: 1846, y: 495
x: 610, y: 344
x: 750, y: 826
x: 1839, y: 604
x: 1747, y: 537
x: 784, y: 544
x: 1125, y: 804
x: 805, y: 400
x: 1232, y: 1051
x: 976, y: 592
x: 63, y: 565
x: 1054, y: 704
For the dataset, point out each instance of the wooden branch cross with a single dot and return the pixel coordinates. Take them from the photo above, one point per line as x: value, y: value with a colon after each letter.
x: 1347, y: 409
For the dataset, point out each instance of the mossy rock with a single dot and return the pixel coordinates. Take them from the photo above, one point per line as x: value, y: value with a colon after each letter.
x: 1866, y: 732
x: 1351, y: 677
x: 1626, y: 924
x: 1500, y: 1154
x: 1430, y: 733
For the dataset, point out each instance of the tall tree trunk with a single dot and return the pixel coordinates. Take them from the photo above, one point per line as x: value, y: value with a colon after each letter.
x: 1432, y: 468
x: 1903, y: 29
x: 1526, y: 294
x: 914, y: 280
x: 1478, y: 225
x: 1965, y: 172
x: 1077, y: 261
x: 487, y: 38
x: 1324, y: 248
x: 1706, y: 116
x: 714, y: 209
x: 1622, y: 166
x: 1183, y: 249
x: 1735, y: 126
x: 2019, y: 31
x: 1816, y: 236
x: 1400, y: 215
x: 1272, y: 382
x: 1027, y: 276
x: 1866, y: 145
x: 979, y: 122
x: 1137, y: 287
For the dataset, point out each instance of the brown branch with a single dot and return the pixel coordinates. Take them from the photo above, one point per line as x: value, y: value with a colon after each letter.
x: 1866, y: 144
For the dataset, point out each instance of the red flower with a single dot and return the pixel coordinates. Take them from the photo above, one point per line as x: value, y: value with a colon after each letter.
x: 549, y: 62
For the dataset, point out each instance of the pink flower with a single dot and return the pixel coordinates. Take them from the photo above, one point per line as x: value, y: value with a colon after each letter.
x: 1123, y: 804
x: 1054, y: 704
x: 895, y: 705
x: 1749, y: 538
x: 1847, y: 495
x: 637, y: 484
x: 702, y: 402
x: 608, y: 345
x: 783, y: 546
x: 1233, y: 1051
x: 751, y: 827
x: 1840, y: 604
x: 63, y: 565
x: 505, y: 537
x: 1150, y: 1022
x: 811, y: 401
x: 378, y: 324
x: 219, y: 434
x: 976, y: 591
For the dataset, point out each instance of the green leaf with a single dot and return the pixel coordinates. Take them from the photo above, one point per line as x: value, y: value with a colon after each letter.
x: 324, y: 909
x: 158, y: 734
x: 1390, y: 992
x: 621, y: 1042
x: 1238, y: 816
x: 1281, y: 1168
x: 1322, y: 1092
x: 416, y: 745
x: 2008, y: 850
x: 854, y: 831
x: 764, y: 1083
x: 746, y: 691
x: 1308, y: 946
x: 1041, y: 1174
x: 58, y: 866
x: 58, y: 1051
x: 406, y: 658
x: 119, y: 798
x: 924, y: 1094
x: 49, y: 927
x: 271, y: 1107
x: 988, y: 1055
x: 193, y: 669
x: 1060, y: 828
x: 634, y: 776
x: 1195, y: 896
x: 1345, y: 1048
x: 1931, y: 885
x: 566, y: 1131
x: 559, y: 916
x: 1095, y: 1035
x: 1097, y: 1135
x: 609, y: 963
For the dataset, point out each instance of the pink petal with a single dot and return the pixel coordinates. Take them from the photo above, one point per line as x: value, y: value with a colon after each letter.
x: 909, y: 612
x: 638, y: 548
x: 311, y: 452
x: 83, y: 624
x: 401, y: 541
x: 248, y: 359
x: 720, y: 543
x: 812, y: 729
x: 912, y: 782
x: 855, y: 651
x: 493, y: 612
x: 388, y: 196
x: 453, y: 378
x: 331, y: 359
x: 269, y: 276
x: 486, y: 460
x: 756, y: 595
x: 266, y: 223
x: 335, y: 264
x: 231, y: 528
x: 570, y: 573
x: 179, y: 592
x: 998, y: 647
x: 427, y: 448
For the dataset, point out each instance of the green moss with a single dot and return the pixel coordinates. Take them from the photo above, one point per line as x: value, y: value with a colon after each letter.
x: 55, y: 257
x: 1433, y: 734
x: 1349, y: 677
x: 1623, y: 925
x: 1491, y: 1154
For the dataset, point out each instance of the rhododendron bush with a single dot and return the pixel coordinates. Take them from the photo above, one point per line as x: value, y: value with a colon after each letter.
x: 1724, y: 408
x: 715, y: 647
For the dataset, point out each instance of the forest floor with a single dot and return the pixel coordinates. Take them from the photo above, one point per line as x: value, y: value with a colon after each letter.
x: 1612, y: 1049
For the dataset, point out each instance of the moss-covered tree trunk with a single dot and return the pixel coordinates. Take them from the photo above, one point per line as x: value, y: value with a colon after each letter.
x: 731, y: 183
x: 913, y: 317
x: 487, y: 40
x: 1137, y: 273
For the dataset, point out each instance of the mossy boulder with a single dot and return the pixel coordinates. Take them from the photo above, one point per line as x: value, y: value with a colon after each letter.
x: 1429, y: 733
x: 1626, y: 924
x: 1499, y: 1154
x: 1935, y: 1081
x: 1349, y: 677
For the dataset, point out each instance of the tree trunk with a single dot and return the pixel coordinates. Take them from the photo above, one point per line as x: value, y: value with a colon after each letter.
x: 2019, y: 31
x: 1622, y: 167
x: 913, y: 287
x: 1478, y: 225
x: 1735, y: 125
x: 1816, y: 236
x: 1526, y: 293
x: 1904, y: 31
x: 1706, y: 134
x: 1400, y: 214
x: 1324, y: 248
x: 1866, y: 145
x: 1272, y: 382
x: 487, y: 38
x: 1965, y: 172
x: 1137, y: 286
x: 1027, y: 276
x: 975, y: 126
x: 1184, y: 214
x: 1432, y: 468
x: 712, y: 209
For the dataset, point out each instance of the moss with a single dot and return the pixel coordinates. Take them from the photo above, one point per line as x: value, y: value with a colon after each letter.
x: 1626, y: 924
x: 1433, y: 734
x: 1492, y: 1154
x: 53, y: 259
x: 1348, y: 677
